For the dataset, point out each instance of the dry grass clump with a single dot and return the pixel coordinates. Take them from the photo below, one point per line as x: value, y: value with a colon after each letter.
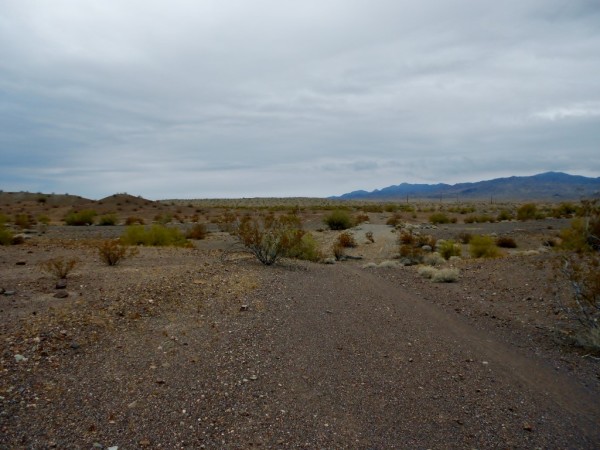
x: 394, y: 220
x: 433, y: 259
x: 112, y: 252
x: 197, y: 232
x: 446, y: 275
x: 449, y: 248
x: 154, y: 236
x: 59, y: 267
x: 370, y: 237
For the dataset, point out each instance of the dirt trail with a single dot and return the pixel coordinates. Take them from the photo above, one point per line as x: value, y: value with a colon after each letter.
x: 371, y: 366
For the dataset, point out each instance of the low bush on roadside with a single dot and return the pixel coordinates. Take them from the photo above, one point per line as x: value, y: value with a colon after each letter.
x: 505, y: 215
x: 361, y: 218
x: 108, y: 220
x: 6, y: 236
x: 346, y: 240
x: 306, y: 249
x: 482, y: 218
x: 506, y: 242
x: 197, y: 232
x: 338, y: 220
x: 81, y: 218
x: 59, y: 267
x: 449, y: 249
x: 530, y: 211
x: 133, y: 220
x: 433, y: 259
x: 445, y: 275
x: 483, y: 247
x: 440, y: 218
x: 112, y: 252
x: 24, y: 221
x: 154, y: 236
x: 394, y: 220
x: 464, y: 237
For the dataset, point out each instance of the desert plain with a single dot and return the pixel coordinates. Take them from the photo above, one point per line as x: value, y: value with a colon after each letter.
x: 202, y: 346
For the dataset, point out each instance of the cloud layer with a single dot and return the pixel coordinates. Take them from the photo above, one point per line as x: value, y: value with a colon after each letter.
x: 232, y: 98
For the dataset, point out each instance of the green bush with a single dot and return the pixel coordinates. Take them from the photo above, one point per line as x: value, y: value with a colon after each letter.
x: 108, y: 220
x: 528, y: 211
x: 80, y: 218
x: 338, y: 220
x: 6, y: 236
x: 449, y: 249
x: 269, y: 237
x: 440, y: 218
x: 154, y: 236
x: 483, y: 247
x: 505, y: 215
x: 306, y: 249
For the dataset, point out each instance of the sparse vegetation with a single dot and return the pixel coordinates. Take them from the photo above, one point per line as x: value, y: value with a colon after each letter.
x: 483, y: 247
x: 81, y: 218
x: 112, y: 252
x: 269, y: 237
x: 108, y: 220
x: 153, y: 236
x: 197, y: 232
x: 59, y: 267
x: 506, y: 242
x: 338, y: 220
x: 346, y: 240
x: 133, y: 220
x: 445, y: 275
x: 440, y: 218
x: 6, y: 236
x: 370, y: 237
x: 449, y: 249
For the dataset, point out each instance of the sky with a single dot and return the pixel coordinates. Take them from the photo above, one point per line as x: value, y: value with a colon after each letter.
x: 282, y: 98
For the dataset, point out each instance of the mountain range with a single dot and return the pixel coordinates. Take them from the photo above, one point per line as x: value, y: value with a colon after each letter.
x: 544, y: 186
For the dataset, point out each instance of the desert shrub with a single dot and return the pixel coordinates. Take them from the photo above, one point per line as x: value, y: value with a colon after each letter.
x: 133, y: 220
x: 370, y: 237
x: 433, y: 259
x: 6, y: 236
x: 43, y: 219
x: 108, y: 220
x: 226, y: 222
x: 464, y: 237
x: 339, y: 252
x: 3, y: 219
x: 481, y: 218
x: 528, y: 211
x: 59, y: 267
x: 440, y: 218
x: 426, y: 271
x: 407, y: 238
x: 449, y: 249
x: 425, y: 239
x: 269, y: 237
x: 24, y: 221
x: 360, y: 218
x: 505, y: 214
x: 583, y: 235
x: 483, y: 247
x: 154, y: 236
x: 446, y: 275
x: 197, y: 232
x: 346, y: 240
x: 583, y: 272
x: 112, y: 252
x: 565, y: 209
x: 306, y: 249
x: 80, y: 218
x: 163, y: 219
x: 394, y: 220
x: 506, y: 242
x: 338, y: 220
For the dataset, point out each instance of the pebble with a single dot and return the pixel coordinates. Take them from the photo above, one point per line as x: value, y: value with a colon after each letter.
x: 61, y: 294
x: 61, y: 284
x: 21, y: 263
x: 19, y: 358
x: 9, y: 293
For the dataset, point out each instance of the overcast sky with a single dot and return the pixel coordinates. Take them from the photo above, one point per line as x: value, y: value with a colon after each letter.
x: 238, y: 98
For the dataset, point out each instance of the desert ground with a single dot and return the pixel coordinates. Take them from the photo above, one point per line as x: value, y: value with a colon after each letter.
x: 204, y: 347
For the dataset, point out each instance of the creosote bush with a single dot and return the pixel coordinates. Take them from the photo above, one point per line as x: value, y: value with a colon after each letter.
x: 269, y: 237
x: 112, y: 252
x: 80, y: 218
x: 338, y: 220
x: 483, y: 247
x: 154, y: 236
x: 449, y: 249
x: 59, y: 267
x: 440, y: 218
x: 6, y: 236
x: 197, y: 232
x: 108, y: 220
x: 133, y: 220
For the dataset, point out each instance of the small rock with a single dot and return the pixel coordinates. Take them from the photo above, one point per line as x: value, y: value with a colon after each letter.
x: 97, y: 445
x: 61, y: 294
x: 19, y: 358
x: 114, y: 447
x: 9, y: 293
x: 21, y: 263
x: 61, y: 284
x: 2, y: 290
x: 144, y: 443
x: 254, y: 377
x: 75, y: 345
x: 244, y: 308
x: 527, y: 427
x: 329, y: 261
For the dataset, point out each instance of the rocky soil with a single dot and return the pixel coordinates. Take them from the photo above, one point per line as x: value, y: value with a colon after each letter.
x: 180, y: 348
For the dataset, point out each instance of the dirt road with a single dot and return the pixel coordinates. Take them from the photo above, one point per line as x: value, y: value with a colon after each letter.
x: 321, y: 357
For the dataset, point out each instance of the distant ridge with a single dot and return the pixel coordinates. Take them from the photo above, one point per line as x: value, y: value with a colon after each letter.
x: 544, y: 186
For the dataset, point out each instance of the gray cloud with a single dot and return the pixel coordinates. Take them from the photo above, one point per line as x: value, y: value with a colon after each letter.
x: 270, y: 98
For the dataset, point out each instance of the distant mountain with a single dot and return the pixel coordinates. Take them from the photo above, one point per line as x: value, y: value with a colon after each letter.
x: 544, y: 186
